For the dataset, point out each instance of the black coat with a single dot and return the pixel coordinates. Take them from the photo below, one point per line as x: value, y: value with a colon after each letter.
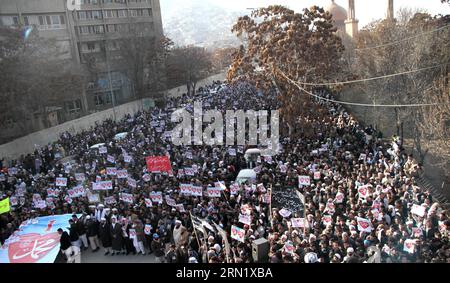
x: 105, y: 235
x: 117, y: 237
x: 92, y: 228
x: 73, y: 233
x: 65, y: 241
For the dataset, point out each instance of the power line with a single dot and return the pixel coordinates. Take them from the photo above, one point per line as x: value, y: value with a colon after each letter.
x: 401, y: 40
x: 356, y: 104
x: 371, y: 79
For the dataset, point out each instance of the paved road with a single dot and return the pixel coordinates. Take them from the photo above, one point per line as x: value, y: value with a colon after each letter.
x: 99, y: 257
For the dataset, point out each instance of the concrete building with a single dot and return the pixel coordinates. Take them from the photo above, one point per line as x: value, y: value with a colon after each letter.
x: 88, y: 38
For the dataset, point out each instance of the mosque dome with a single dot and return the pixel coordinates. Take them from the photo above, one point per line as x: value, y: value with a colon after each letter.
x: 338, y: 12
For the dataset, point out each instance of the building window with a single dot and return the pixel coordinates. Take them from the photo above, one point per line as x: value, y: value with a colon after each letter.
x: 110, y: 14
x: 96, y: 14
x: 16, y: 21
x: 41, y: 21
x: 98, y: 99
x: 26, y: 21
x: 63, y: 20
x: 98, y: 29
x: 55, y: 20
x: 90, y: 46
x: 73, y: 106
x: 122, y: 13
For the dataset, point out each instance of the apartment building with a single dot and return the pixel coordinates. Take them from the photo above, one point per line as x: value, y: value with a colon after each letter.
x: 88, y: 38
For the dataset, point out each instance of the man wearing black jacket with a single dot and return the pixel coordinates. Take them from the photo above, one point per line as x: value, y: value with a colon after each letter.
x: 92, y: 233
x: 65, y: 242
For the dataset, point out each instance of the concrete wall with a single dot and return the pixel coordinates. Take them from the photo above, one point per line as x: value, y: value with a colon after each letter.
x: 27, y: 144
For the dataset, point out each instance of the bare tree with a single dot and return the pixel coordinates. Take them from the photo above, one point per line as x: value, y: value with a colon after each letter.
x: 188, y: 65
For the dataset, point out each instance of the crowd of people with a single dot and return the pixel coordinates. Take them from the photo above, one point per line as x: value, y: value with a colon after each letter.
x: 362, y: 203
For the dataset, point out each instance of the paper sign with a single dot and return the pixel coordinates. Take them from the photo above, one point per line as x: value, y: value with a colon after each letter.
x: 156, y: 197
x: 220, y: 185
x: 122, y: 174
x: 234, y: 189
x: 363, y: 191
x: 110, y: 200
x: 102, y: 186
x: 132, y: 233
x: 12, y: 171
x: 285, y: 213
x: 185, y: 189
x: 111, y: 171
x: 409, y: 246
x: 327, y: 219
x: 418, y: 210
x: 148, y: 229
x: 283, y: 168
x: 246, y: 219
x: 158, y: 164
x: 364, y: 225
x: 132, y: 182
x: 146, y: 178
x: 80, y: 177
x: 128, y: 198
x: 189, y: 171
x: 127, y: 158
x: 339, y: 197
x: 213, y: 192
x: 196, y: 191
x: 304, y: 180
x: 61, y: 182
x: 232, y: 151
x: 102, y: 150
x: 238, y: 234
x: 317, y: 175
x: 299, y: 223
x: 94, y: 198
x: 111, y: 159
x: 148, y: 202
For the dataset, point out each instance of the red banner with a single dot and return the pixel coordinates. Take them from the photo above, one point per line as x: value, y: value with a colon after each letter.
x: 158, y: 164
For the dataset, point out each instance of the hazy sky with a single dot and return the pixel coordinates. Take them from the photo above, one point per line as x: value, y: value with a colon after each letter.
x: 366, y: 10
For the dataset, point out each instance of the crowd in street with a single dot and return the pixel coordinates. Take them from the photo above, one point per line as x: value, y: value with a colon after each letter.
x: 362, y: 203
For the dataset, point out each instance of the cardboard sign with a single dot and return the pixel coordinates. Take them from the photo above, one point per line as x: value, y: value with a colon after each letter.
x: 246, y: 219
x: 110, y: 200
x: 156, y: 197
x: 128, y: 198
x: 80, y: 177
x: 304, y: 181
x: 122, y: 174
x: 102, y: 186
x: 158, y: 164
x: 238, y: 234
x: 418, y: 210
x: 364, y: 225
x: 111, y: 171
x: 213, y: 192
x: 148, y: 202
x: 61, y: 182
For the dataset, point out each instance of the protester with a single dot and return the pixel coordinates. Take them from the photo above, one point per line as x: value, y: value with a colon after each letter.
x: 361, y: 200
